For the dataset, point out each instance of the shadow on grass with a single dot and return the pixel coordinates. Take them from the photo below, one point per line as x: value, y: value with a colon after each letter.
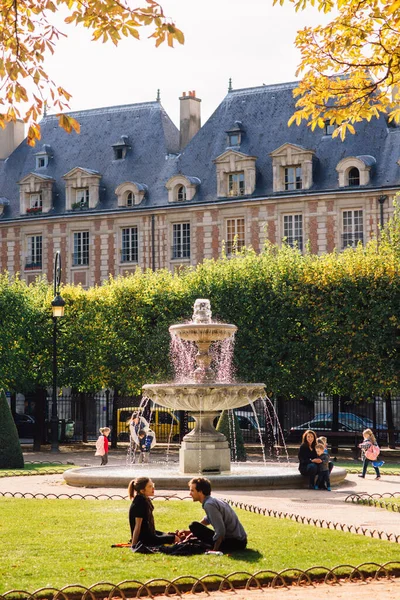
x: 249, y: 555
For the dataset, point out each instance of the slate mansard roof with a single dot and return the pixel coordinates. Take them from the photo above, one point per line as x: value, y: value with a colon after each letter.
x: 154, y: 156
x: 151, y: 134
x: 264, y: 113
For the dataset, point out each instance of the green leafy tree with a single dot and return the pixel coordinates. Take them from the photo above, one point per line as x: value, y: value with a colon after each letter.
x: 350, y: 65
x: 29, y: 33
x: 10, y: 449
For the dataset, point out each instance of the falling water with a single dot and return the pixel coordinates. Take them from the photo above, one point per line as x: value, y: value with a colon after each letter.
x: 183, y: 359
x: 222, y: 360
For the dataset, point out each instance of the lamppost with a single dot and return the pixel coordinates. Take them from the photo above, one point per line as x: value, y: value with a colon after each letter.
x: 57, y: 306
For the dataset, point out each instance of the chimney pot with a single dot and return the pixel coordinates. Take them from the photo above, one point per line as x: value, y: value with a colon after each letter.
x: 190, y: 119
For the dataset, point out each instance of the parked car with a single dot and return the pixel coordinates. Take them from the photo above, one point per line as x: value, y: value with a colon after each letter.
x: 322, y: 425
x: 25, y: 425
x: 164, y: 422
x: 248, y: 425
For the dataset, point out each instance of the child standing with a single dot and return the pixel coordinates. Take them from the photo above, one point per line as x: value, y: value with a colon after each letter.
x: 146, y: 442
x: 323, y: 440
x: 102, y: 445
x: 323, y: 480
x: 370, y: 452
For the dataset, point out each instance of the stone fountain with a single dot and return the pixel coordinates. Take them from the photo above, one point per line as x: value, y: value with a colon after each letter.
x: 204, y: 449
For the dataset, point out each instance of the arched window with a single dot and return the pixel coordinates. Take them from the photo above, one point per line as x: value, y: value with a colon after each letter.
x: 181, y: 193
x: 130, y: 199
x: 354, y: 176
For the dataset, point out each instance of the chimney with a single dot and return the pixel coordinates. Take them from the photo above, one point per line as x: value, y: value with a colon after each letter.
x: 190, y: 121
x: 11, y: 137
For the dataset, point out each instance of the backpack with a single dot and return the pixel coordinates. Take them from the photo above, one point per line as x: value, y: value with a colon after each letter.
x: 372, y: 452
x: 100, y: 446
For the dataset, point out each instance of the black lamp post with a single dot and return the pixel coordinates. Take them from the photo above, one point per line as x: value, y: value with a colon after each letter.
x: 57, y: 306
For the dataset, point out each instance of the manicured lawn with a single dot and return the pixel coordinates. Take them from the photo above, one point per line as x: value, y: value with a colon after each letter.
x: 35, y: 468
x: 60, y: 542
x: 357, y: 464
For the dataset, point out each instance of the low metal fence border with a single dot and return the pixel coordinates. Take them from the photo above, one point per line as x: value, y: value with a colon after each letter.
x: 277, y: 578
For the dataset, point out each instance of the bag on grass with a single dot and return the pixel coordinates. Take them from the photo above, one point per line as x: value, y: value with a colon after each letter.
x: 372, y: 452
x: 189, y: 548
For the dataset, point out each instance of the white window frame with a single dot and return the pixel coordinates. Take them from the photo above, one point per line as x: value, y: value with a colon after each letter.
x: 352, y: 227
x: 130, y: 244
x: 235, y: 228
x: 181, y: 195
x: 80, y: 256
x: 36, y: 200
x: 236, y: 184
x: 35, y: 251
x: 82, y: 195
x: 296, y: 183
x: 181, y: 241
x: 293, y: 230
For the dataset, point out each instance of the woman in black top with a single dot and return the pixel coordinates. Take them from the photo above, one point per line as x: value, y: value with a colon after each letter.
x: 308, y: 458
x: 141, y: 518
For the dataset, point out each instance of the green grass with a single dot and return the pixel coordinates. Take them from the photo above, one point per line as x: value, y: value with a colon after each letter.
x: 60, y: 542
x: 35, y: 469
x: 357, y: 464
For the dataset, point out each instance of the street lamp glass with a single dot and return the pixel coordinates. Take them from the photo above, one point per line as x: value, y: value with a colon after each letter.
x: 57, y: 306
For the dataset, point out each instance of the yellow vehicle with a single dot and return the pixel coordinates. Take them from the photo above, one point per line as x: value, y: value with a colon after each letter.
x: 164, y: 422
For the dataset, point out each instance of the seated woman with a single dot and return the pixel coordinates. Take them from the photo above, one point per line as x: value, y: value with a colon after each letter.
x: 308, y: 458
x: 141, y: 518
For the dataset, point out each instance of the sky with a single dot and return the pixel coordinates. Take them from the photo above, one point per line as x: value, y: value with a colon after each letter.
x: 250, y: 41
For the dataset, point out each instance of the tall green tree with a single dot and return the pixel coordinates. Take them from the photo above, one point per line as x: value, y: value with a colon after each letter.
x: 10, y: 449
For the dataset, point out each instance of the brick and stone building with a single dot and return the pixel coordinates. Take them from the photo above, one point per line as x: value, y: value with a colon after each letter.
x: 132, y: 189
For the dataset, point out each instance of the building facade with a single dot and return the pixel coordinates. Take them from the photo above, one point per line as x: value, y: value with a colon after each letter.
x: 132, y: 190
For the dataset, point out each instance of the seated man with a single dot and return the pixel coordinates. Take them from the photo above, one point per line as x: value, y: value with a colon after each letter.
x: 228, y: 534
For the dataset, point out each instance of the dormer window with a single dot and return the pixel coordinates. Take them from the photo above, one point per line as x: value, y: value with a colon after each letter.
x: 35, y: 201
x: 293, y: 178
x: 130, y: 199
x: 329, y: 129
x: 292, y: 168
x: 234, y: 135
x: 182, y: 188
x: 130, y: 193
x: 42, y: 157
x: 236, y: 174
x: 181, y: 193
x: 81, y: 188
x: 82, y: 197
x: 35, y: 193
x: 121, y: 148
x: 354, y: 176
x: 236, y: 184
x: 355, y: 171
x: 234, y: 139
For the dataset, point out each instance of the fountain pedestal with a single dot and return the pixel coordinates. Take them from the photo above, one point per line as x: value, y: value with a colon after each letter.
x: 204, y: 450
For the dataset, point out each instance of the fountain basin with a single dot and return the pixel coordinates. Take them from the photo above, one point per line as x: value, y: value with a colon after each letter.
x: 203, y: 332
x: 248, y: 476
x: 204, y: 397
